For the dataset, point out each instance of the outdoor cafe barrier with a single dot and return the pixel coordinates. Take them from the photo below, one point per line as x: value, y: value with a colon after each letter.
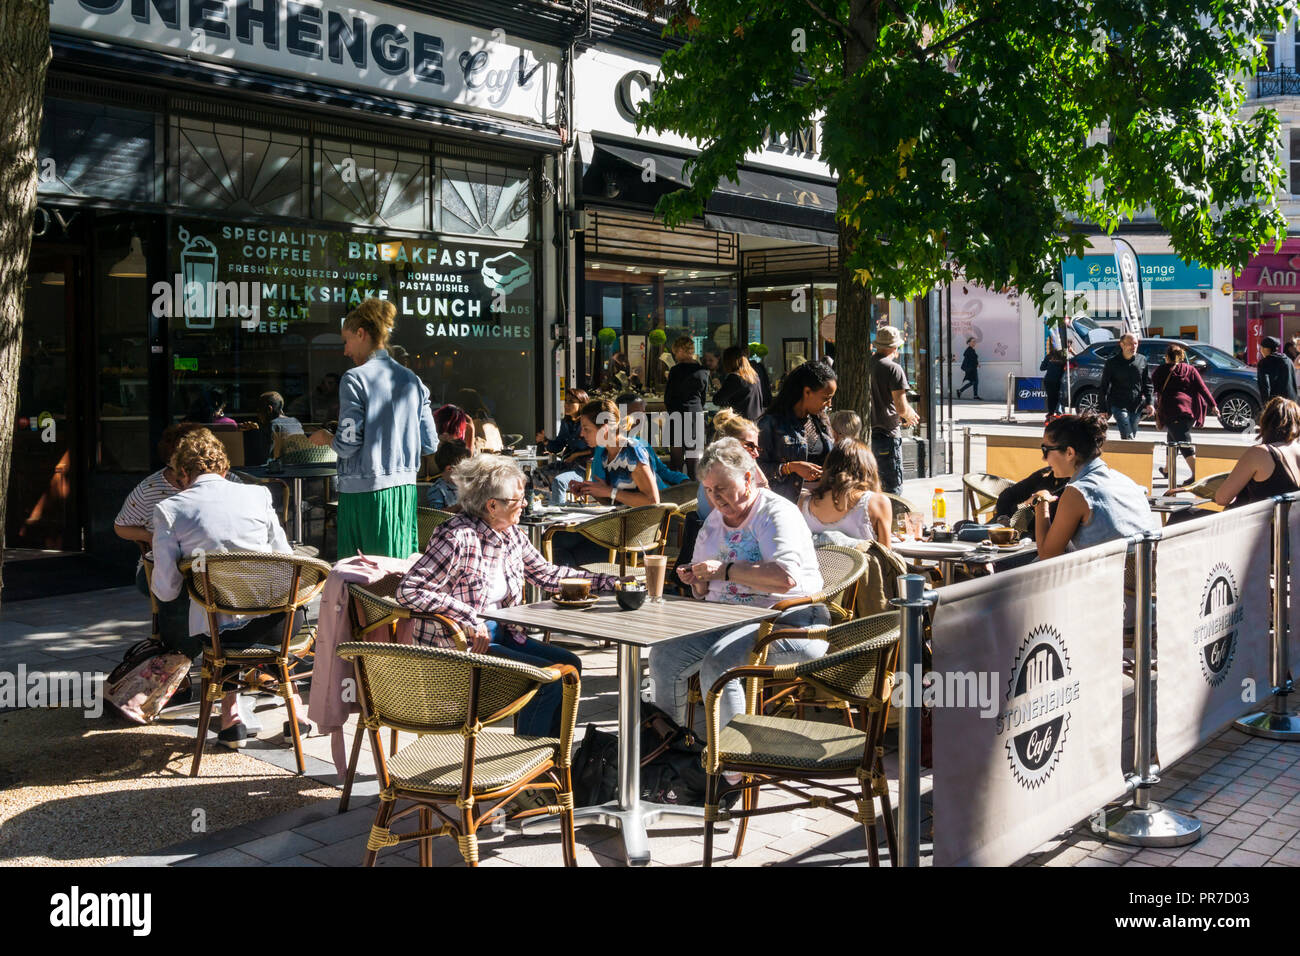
x: 1027, y: 690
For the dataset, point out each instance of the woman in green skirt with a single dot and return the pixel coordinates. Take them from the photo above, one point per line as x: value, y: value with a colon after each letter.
x: 385, y: 428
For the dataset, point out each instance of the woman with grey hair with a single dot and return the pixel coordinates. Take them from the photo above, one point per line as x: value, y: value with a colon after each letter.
x: 754, y: 549
x: 480, y: 559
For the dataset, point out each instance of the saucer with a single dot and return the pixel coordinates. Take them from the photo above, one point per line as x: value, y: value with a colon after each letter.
x: 579, y: 605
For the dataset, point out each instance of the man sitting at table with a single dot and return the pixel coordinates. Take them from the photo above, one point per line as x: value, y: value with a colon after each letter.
x: 754, y: 549
x: 480, y: 560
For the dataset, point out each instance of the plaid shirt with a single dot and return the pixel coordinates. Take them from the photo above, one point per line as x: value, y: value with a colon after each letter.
x: 451, y: 576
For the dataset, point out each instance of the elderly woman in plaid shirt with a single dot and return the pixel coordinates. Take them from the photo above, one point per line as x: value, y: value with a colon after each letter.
x: 479, y: 559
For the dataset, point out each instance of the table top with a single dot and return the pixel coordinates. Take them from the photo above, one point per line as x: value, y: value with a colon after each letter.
x: 1167, y: 503
x: 648, y: 625
x: 290, y: 471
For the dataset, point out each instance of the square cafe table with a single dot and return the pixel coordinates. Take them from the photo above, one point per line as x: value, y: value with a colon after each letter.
x: 647, y: 626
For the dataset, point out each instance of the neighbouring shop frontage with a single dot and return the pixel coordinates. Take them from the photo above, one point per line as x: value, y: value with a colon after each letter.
x: 1266, y: 299
x: 202, y: 232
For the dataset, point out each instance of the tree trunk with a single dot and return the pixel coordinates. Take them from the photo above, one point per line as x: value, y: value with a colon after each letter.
x: 25, y: 37
x: 852, y: 335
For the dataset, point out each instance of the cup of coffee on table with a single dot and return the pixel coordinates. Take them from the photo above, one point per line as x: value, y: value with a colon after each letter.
x: 1003, y: 536
x: 574, y: 589
x: 656, y: 569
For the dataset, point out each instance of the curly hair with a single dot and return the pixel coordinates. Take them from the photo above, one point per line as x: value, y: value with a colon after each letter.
x: 1086, y: 434
x: 199, y: 452
x: 850, y: 469
x: 1279, y: 421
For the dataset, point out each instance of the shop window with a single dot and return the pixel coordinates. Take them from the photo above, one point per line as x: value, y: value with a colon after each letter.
x: 1295, y: 162
x: 378, y: 187
x: 240, y: 169
x: 102, y: 151
x: 484, y: 200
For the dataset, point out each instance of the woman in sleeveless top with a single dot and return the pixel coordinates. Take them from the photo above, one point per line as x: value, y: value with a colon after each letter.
x: 847, y: 507
x: 1273, y: 466
x: 1098, y: 504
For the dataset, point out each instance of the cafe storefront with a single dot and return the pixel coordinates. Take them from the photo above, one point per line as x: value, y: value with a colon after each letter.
x: 220, y: 185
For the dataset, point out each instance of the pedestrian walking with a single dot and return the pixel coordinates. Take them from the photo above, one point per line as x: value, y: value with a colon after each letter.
x: 970, y: 365
x: 889, y: 409
x: 1182, y: 402
x: 1053, y: 369
x: 1274, y: 374
x: 385, y: 427
x: 1126, y: 387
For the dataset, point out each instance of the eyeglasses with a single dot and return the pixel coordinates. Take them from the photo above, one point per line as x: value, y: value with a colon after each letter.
x: 751, y: 446
x: 1047, y: 448
x: 510, y: 501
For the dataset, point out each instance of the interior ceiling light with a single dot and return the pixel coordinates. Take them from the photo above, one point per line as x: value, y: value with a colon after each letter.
x: 132, y: 265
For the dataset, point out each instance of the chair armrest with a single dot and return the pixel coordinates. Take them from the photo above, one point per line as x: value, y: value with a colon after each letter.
x: 815, y: 633
x: 712, y: 706
x: 572, y: 692
x: 453, y: 629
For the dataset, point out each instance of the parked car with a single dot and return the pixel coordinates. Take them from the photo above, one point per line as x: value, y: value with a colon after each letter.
x: 1231, y: 381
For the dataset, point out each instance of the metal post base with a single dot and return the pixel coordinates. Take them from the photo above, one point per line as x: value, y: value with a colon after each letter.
x: 632, y: 823
x: 1270, y: 724
x: 1152, y: 826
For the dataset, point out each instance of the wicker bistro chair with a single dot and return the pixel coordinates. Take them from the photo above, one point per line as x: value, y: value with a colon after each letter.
x: 426, y: 519
x: 455, y: 767
x: 981, y: 492
x: 375, y: 615
x: 1207, y: 487
x: 629, y: 533
x: 798, y: 756
x: 901, y: 507
x: 841, y: 569
x: 682, y: 494
x: 256, y: 585
x: 310, y: 455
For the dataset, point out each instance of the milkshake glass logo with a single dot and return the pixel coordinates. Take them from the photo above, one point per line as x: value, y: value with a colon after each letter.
x: 1220, y: 614
x: 505, y: 273
x: 196, y: 294
x: 1040, y: 695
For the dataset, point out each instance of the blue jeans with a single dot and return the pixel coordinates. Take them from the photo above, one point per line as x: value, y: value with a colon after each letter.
x: 1126, y: 419
x: 714, y: 653
x: 560, y: 485
x: 888, y: 450
x: 541, y: 715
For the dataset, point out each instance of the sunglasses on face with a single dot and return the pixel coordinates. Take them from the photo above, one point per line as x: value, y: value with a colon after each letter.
x: 1047, y: 448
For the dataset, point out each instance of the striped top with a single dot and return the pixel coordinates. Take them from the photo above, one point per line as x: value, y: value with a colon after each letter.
x: 137, y: 511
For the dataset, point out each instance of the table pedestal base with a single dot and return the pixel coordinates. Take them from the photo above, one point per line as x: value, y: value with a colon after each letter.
x: 633, y: 822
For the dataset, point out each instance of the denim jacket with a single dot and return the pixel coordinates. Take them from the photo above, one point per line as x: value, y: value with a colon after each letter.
x: 781, y: 439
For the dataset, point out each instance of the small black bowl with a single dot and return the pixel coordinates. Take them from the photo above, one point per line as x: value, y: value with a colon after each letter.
x: 630, y: 600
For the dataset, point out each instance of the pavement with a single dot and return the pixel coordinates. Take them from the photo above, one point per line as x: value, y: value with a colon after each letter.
x: 1246, y: 791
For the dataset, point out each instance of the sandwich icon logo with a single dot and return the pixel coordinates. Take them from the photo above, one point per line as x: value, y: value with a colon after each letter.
x: 506, y: 272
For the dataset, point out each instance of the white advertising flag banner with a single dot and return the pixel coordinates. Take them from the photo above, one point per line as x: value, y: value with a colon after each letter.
x: 1212, y: 625
x: 1026, y: 697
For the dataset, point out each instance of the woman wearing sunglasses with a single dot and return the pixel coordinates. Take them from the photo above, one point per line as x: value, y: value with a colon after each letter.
x: 1097, y: 504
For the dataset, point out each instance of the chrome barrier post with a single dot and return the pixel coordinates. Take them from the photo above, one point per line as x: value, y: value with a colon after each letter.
x: 965, y: 467
x: 1011, y: 399
x: 1171, y: 463
x: 1145, y: 823
x: 913, y: 603
x: 1277, y: 722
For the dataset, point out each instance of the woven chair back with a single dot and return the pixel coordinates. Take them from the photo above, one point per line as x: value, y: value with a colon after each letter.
x: 426, y: 690
x: 841, y: 568
x: 312, y: 455
x: 246, y: 582
x: 984, y: 490
x: 629, y: 529
x: 857, y: 671
x: 426, y: 519
x: 682, y: 494
x: 901, y: 507
x: 372, y: 606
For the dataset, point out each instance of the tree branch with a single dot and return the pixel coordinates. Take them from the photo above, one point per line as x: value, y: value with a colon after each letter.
x: 935, y: 47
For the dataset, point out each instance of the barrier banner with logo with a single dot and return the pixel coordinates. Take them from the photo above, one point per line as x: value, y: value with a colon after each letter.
x: 1212, y: 625
x: 1293, y: 618
x: 1030, y: 395
x: 1037, y: 748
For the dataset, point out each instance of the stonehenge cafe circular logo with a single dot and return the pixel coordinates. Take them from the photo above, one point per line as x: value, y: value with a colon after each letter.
x: 1040, y: 694
x: 1219, y: 619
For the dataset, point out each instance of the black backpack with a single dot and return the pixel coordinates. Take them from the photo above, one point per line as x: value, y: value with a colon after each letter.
x: 672, y: 768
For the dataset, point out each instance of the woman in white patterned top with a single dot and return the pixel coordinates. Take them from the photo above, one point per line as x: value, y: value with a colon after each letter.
x: 847, y: 507
x: 135, y: 523
x: 754, y: 549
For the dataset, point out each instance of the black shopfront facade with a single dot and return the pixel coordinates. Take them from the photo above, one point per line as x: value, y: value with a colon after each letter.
x: 204, y: 229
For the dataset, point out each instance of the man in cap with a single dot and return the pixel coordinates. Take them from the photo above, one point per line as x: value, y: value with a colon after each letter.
x: 1274, y: 373
x: 889, y: 408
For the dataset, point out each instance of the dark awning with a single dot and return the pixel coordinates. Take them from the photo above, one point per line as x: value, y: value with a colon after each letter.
x: 757, y: 203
